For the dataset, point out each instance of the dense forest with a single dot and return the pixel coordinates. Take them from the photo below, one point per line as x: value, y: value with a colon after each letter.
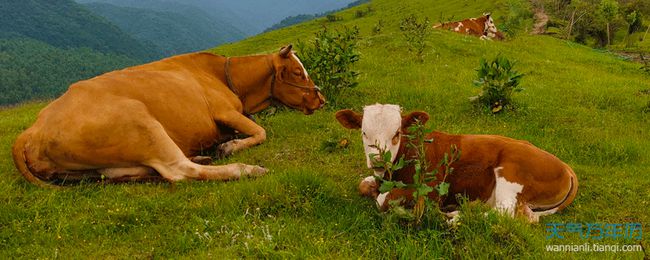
x: 46, y: 45
x: 66, y: 24
x: 30, y: 69
x: 175, y: 32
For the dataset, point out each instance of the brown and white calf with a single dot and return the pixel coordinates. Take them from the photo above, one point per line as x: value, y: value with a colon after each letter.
x: 483, y: 27
x: 512, y: 176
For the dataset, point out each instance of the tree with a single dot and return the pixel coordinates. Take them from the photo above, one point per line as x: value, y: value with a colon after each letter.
x: 609, y: 10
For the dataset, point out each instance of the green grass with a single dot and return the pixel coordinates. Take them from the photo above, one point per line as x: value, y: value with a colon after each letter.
x: 580, y: 104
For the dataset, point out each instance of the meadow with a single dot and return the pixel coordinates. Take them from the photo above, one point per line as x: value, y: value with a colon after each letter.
x: 586, y: 106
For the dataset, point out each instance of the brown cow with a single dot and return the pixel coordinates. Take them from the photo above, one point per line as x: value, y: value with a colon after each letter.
x: 510, y: 175
x: 483, y: 27
x: 144, y: 122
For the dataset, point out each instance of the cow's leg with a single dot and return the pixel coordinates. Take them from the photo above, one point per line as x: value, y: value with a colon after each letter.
x: 505, y: 194
x: 524, y: 210
x: 129, y: 174
x: 202, y: 160
x: 244, y: 125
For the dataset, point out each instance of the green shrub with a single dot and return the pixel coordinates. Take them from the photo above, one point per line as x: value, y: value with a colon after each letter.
x: 361, y: 13
x: 379, y: 26
x: 329, y: 59
x: 497, y: 81
x: 421, y: 203
x: 415, y: 32
x: 332, y: 18
x: 518, y: 19
x: 645, y: 67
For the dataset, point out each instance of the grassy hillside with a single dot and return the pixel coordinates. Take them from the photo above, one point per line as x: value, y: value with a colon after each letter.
x: 583, y: 105
x: 172, y: 32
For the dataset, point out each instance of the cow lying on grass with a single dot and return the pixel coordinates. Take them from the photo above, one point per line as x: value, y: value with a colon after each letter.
x: 512, y: 176
x: 483, y: 27
x: 151, y: 121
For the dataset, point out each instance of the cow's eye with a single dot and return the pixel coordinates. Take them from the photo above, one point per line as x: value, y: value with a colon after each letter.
x: 297, y: 73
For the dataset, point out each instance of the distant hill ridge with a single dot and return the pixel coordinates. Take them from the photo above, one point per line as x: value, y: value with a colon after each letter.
x: 182, y: 30
x: 66, y: 24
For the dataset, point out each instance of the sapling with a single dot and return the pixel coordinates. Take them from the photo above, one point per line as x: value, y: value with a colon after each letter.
x: 423, y: 176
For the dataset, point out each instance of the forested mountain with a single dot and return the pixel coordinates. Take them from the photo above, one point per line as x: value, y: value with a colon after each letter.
x: 30, y: 69
x: 66, y: 24
x: 47, y: 44
x: 261, y: 14
x: 223, y: 20
x: 248, y: 16
x: 173, y: 32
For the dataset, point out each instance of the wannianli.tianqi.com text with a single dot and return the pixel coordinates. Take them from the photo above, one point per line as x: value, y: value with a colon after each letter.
x: 589, y: 247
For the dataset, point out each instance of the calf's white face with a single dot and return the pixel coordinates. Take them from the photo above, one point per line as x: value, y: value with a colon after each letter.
x: 381, y: 128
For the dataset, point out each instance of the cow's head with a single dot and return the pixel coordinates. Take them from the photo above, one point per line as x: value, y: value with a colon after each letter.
x: 293, y: 87
x: 490, y: 29
x: 381, y: 127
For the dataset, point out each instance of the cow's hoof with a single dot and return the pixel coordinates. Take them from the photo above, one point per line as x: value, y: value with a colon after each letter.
x: 202, y: 160
x: 226, y: 148
x: 253, y: 171
x: 369, y: 187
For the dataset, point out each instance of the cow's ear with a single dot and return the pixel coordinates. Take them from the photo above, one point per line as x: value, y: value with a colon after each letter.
x: 416, y: 116
x: 488, y: 14
x: 349, y: 119
x: 286, y: 51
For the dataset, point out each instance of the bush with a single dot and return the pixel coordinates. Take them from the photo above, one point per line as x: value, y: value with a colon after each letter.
x: 329, y: 59
x: 378, y: 27
x: 423, y: 176
x: 497, y: 81
x: 645, y: 67
x: 332, y: 18
x: 518, y: 18
x: 361, y: 13
x: 415, y: 32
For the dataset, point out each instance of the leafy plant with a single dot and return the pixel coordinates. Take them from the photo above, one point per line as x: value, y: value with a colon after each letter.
x: 645, y: 67
x: 332, y: 18
x: 517, y: 19
x: 378, y: 27
x: 415, y: 32
x: 497, y: 80
x: 329, y: 59
x: 423, y: 177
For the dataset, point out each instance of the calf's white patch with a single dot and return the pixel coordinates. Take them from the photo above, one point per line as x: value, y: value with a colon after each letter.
x: 504, y: 196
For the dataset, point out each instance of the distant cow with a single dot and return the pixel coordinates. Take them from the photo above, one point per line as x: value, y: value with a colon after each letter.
x: 483, y: 27
x: 512, y: 176
x: 151, y: 121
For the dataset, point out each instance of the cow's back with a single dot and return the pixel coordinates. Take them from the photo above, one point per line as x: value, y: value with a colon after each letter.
x: 167, y: 92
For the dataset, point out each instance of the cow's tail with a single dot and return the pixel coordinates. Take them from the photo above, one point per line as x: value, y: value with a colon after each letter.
x: 20, y: 160
x: 568, y: 199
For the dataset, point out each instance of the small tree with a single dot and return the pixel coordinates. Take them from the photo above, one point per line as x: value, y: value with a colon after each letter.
x: 379, y: 26
x: 423, y: 176
x: 609, y: 10
x: 497, y: 81
x: 415, y: 32
x: 329, y: 59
